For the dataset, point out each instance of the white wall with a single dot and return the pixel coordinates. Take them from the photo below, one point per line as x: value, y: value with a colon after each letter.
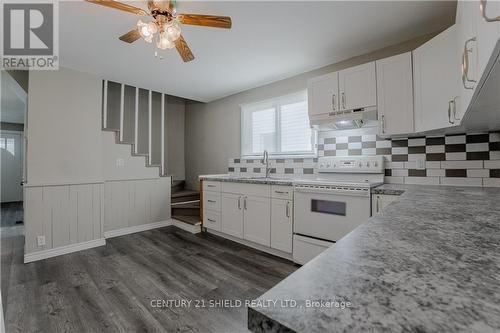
x: 213, y: 129
x: 175, y: 137
x: 72, y: 169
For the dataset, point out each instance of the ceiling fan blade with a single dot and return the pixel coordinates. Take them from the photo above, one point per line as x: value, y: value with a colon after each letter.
x: 183, y: 49
x: 131, y: 36
x: 206, y: 20
x: 120, y: 6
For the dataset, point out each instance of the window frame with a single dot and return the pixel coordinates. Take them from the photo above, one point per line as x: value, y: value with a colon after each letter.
x: 275, y: 103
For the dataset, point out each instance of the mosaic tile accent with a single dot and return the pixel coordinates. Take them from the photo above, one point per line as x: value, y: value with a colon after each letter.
x: 462, y: 160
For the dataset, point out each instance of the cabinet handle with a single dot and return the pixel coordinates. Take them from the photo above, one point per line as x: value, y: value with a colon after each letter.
x: 210, y: 185
x: 211, y: 201
x: 465, y: 63
x: 455, y: 108
x: 378, y: 203
x: 449, y: 112
x: 482, y: 8
x: 333, y: 103
x: 281, y: 192
x: 239, y: 202
x: 287, y: 210
x: 210, y: 220
x: 245, y: 203
x: 343, y: 101
x: 382, y: 123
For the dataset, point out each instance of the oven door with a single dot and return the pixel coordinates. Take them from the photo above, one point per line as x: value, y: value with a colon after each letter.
x: 328, y: 216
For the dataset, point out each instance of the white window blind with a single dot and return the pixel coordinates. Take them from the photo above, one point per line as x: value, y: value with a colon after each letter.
x: 280, y: 126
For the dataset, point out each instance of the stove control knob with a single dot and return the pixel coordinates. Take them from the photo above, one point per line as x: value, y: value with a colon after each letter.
x: 367, y: 164
x: 360, y: 164
x: 322, y: 165
x: 328, y: 164
x: 375, y: 164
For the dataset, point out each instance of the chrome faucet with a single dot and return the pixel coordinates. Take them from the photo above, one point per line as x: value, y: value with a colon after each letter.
x: 265, y: 161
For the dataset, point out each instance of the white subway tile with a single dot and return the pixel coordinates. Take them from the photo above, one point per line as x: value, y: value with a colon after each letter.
x: 387, y: 158
x: 330, y: 146
x: 369, y: 151
x: 492, y: 164
x: 354, y: 145
x: 321, y: 153
x: 383, y: 144
x: 399, y: 150
x: 495, y: 137
x: 395, y: 165
x: 478, y: 173
x: 494, y: 155
x: 422, y: 180
x: 461, y: 164
x: 456, y: 156
x: 342, y: 152
x: 411, y: 165
x: 400, y: 172
x: 436, y: 172
x: 434, y: 149
x: 416, y: 142
x: 433, y: 165
x: 483, y: 146
x: 371, y: 137
x: 491, y: 182
x: 341, y: 139
x: 459, y: 181
x: 394, y: 180
x: 454, y: 139
x: 416, y: 157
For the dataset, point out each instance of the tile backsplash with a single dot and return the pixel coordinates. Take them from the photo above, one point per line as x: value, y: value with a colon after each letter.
x: 464, y: 159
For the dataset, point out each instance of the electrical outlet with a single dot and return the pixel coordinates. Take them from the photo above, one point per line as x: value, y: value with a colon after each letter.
x: 40, y: 240
x: 421, y: 164
x: 120, y: 162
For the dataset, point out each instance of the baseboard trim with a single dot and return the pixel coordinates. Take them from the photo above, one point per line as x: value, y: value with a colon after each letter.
x: 256, y: 246
x: 194, y: 229
x: 44, y: 254
x: 137, y: 228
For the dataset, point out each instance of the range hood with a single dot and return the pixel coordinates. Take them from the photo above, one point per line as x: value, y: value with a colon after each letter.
x: 342, y: 120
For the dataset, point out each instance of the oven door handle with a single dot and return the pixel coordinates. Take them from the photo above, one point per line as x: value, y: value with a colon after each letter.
x: 362, y: 193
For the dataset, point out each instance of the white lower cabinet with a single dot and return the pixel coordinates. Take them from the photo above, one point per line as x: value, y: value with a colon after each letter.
x: 257, y: 214
x: 281, y: 224
x: 232, y: 214
x: 257, y: 220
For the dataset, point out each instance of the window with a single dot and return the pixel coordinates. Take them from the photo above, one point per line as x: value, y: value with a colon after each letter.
x: 280, y: 126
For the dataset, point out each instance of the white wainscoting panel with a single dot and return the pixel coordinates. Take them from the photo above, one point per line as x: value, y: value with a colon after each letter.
x: 131, y: 203
x: 64, y: 214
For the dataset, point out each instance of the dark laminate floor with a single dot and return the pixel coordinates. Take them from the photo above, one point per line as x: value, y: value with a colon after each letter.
x: 110, y: 288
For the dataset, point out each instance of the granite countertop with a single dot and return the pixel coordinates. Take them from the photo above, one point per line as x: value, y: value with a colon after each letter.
x: 429, y: 262
x: 248, y: 180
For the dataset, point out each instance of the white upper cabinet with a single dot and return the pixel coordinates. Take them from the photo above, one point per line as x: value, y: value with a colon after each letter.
x: 436, y: 82
x: 488, y: 30
x: 323, y: 94
x: 358, y: 87
x: 395, y: 94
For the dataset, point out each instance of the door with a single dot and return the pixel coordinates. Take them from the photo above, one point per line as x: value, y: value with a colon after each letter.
x: 358, y: 87
x: 436, y: 82
x: 328, y: 216
x: 322, y: 94
x: 281, y: 225
x: 466, y: 18
x: 11, y: 148
x: 232, y: 214
x: 395, y: 94
x: 257, y: 220
x: 488, y: 32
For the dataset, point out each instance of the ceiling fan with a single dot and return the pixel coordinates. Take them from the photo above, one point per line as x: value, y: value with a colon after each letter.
x: 165, y: 28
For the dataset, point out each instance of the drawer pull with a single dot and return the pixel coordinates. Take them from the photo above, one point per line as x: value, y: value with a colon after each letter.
x: 281, y: 192
x: 211, y: 201
x: 210, y: 220
x: 210, y: 185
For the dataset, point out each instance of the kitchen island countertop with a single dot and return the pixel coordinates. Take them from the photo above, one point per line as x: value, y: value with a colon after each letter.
x: 429, y: 262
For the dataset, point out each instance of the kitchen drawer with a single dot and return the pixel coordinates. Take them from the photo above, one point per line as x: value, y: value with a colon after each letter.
x: 209, y: 185
x: 305, y: 249
x: 246, y: 189
x: 211, y: 201
x: 282, y: 192
x: 211, y: 220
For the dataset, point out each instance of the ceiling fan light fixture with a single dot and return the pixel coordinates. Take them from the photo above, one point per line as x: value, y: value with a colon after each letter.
x: 147, y: 30
x: 163, y: 42
x: 173, y: 31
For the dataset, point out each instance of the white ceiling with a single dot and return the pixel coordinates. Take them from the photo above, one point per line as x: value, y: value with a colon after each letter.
x: 269, y: 41
x: 12, y: 100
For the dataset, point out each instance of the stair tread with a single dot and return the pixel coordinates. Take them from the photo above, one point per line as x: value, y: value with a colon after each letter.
x: 193, y: 220
x: 187, y: 205
x: 185, y: 193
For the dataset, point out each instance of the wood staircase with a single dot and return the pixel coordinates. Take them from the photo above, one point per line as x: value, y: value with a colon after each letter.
x: 185, y: 204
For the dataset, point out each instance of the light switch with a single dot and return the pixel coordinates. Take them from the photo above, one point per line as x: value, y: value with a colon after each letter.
x: 40, y: 240
x: 120, y: 162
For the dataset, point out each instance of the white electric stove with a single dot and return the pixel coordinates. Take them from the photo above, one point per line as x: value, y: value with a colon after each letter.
x: 332, y: 205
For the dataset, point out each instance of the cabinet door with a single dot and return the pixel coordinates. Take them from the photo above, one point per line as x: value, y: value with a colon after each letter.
x: 488, y: 33
x: 395, y: 94
x: 358, y: 87
x: 257, y: 220
x: 380, y: 201
x: 466, y: 21
x: 436, y: 81
x: 281, y: 225
x: 232, y: 214
x: 322, y: 94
